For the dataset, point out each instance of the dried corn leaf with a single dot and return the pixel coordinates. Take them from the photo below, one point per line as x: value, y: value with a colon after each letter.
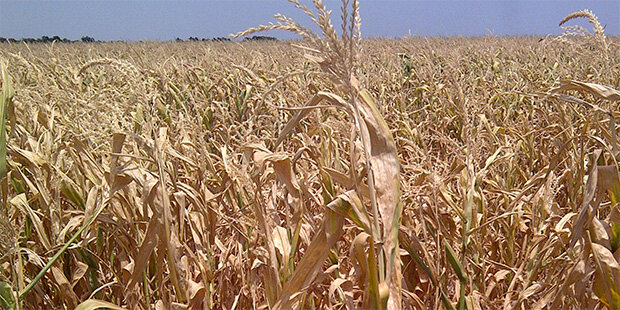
x: 284, y: 172
x: 92, y: 304
x: 22, y: 204
x: 195, y: 294
x: 65, y: 289
x: 314, y: 101
x: 386, y: 173
x: 599, y: 233
x: 358, y: 252
x: 606, y: 277
x: 608, y: 181
x: 282, y: 243
x: 597, y: 90
x: 531, y: 290
x: 353, y: 209
x: 5, y: 102
x: 78, y: 273
x: 313, y: 259
x: 344, y: 286
x: 150, y: 241
x: 589, y: 192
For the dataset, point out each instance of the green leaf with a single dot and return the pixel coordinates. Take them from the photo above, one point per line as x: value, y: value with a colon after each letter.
x: 350, y: 206
x: 456, y: 264
x: 72, y: 195
x: 614, y: 222
x: 408, y: 246
x: 615, y: 237
x: 7, y: 296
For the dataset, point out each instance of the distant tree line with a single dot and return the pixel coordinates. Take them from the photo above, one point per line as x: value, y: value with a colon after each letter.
x: 87, y: 39
x: 224, y: 39
x: 197, y: 39
x: 46, y: 39
x: 260, y: 38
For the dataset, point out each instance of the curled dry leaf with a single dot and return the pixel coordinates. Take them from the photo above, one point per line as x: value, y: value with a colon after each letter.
x: 195, y: 294
x: 606, y: 277
x: 21, y: 203
x: 345, y: 288
x: 386, y: 174
x: 66, y: 291
x: 315, y: 255
x: 282, y: 244
x: 599, y: 233
x: 597, y: 90
x: 586, y: 208
x: 358, y: 252
x: 92, y: 304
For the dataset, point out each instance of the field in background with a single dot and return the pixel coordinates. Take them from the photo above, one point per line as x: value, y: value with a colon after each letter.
x: 492, y: 168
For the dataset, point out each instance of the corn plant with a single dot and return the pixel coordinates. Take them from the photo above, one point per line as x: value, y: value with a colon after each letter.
x: 337, y: 58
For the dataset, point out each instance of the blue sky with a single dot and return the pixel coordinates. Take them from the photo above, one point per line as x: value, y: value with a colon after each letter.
x: 167, y: 20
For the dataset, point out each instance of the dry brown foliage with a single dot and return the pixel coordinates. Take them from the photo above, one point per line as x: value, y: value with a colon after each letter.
x: 163, y: 169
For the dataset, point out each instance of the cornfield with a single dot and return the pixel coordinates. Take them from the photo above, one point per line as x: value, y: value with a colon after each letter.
x: 331, y: 172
